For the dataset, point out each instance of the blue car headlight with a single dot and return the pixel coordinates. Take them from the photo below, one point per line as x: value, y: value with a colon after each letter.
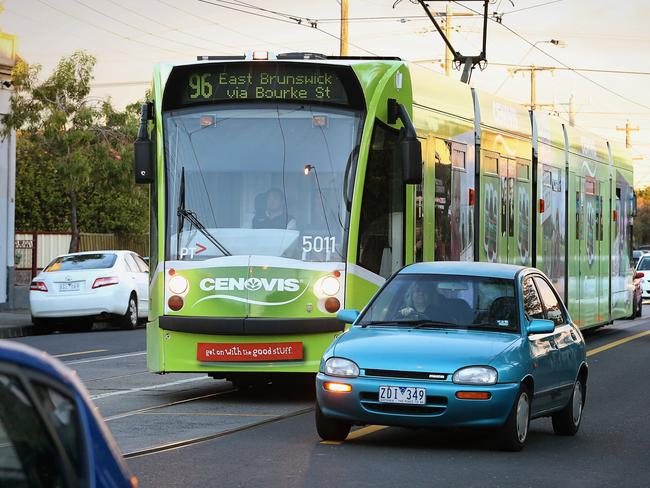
x: 341, y: 367
x: 476, y: 375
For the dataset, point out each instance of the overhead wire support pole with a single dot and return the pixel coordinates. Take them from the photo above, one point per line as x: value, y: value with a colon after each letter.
x: 628, y: 131
x: 468, y: 62
x: 344, y: 27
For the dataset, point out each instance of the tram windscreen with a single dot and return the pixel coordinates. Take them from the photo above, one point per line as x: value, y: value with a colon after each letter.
x: 259, y: 179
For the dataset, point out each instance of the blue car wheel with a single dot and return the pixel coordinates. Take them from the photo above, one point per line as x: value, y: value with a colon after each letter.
x: 567, y: 420
x: 515, y: 431
x: 330, y: 429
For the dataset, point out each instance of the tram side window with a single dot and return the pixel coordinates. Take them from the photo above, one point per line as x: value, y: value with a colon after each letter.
x: 381, y: 224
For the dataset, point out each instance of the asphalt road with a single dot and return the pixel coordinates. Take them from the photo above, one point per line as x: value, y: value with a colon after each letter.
x: 267, y: 437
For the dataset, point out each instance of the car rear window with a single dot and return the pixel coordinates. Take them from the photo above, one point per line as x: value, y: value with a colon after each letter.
x: 82, y: 261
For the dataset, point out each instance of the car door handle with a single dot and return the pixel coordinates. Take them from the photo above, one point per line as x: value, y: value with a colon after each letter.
x: 573, y: 336
x: 553, y: 344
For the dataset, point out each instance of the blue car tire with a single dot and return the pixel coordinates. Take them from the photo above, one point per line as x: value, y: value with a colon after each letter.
x: 567, y: 421
x: 515, y: 431
x: 330, y: 429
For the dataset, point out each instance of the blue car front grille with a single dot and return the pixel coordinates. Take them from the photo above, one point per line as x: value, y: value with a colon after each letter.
x: 435, y: 405
x: 416, y: 375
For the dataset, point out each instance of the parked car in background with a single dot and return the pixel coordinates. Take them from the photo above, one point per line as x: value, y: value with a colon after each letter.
x: 51, y: 434
x: 76, y: 289
x: 643, y: 266
x: 637, y: 294
x: 637, y: 254
x: 451, y: 344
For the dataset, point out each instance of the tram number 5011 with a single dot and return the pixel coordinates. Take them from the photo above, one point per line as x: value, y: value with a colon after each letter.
x: 318, y: 244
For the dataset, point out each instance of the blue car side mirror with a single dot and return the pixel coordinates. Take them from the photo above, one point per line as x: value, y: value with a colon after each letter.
x: 541, y: 326
x: 347, y: 316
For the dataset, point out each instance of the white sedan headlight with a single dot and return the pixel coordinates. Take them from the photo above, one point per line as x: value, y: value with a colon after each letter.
x: 341, y: 367
x: 476, y: 375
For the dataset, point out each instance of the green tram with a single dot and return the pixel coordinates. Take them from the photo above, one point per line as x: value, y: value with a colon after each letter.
x: 284, y: 188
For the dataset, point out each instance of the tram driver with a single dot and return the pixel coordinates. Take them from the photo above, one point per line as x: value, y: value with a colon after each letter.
x: 271, y: 211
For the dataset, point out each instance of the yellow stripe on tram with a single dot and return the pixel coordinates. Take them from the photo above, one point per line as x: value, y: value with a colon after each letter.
x: 375, y: 428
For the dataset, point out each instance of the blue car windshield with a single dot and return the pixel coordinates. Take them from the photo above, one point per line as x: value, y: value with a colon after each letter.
x: 429, y: 300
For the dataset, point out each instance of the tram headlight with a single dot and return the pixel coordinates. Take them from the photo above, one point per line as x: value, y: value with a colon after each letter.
x: 178, y: 284
x: 330, y: 286
x: 341, y: 367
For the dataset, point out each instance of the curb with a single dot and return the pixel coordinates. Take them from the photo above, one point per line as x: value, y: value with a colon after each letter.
x: 12, y: 332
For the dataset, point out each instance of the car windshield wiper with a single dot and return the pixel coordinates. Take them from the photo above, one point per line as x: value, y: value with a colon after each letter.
x: 424, y: 323
x: 190, y: 215
x: 379, y: 322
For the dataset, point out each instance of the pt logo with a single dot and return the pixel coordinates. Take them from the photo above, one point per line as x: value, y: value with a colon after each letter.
x: 192, y: 251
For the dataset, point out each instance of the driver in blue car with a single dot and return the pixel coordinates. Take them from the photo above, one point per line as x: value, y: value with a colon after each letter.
x: 421, y: 302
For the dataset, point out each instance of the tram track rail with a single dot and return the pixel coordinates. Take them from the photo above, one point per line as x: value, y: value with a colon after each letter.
x: 168, y: 404
x: 198, y: 440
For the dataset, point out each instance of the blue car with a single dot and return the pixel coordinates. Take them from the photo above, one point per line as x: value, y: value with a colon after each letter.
x: 50, y: 432
x: 452, y: 344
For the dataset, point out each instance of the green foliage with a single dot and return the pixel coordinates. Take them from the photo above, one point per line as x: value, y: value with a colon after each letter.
x: 642, y: 219
x: 74, y: 154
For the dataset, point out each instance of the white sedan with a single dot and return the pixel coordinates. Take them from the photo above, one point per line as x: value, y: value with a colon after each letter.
x: 75, y: 289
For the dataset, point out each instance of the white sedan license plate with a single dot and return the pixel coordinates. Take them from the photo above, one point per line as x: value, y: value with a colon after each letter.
x: 402, y: 394
x: 74, y: 286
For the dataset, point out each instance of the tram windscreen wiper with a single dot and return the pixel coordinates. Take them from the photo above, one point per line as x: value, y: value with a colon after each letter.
x: 190, y: 215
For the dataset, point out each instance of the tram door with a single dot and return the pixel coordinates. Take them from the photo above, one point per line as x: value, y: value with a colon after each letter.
x: 514, y: 220
x: 589, y: 231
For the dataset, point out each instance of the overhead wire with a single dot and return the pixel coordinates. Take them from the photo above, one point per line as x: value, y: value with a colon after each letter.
x: 87, y: 22
x: 230, y: 29
x: 279, y: 17
x: 530, y: 7
x: 172, y: 28
x: 137, y: 28
x: 600, y: 85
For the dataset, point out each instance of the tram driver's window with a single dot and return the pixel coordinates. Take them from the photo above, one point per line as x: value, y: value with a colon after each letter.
x: 381, y: 224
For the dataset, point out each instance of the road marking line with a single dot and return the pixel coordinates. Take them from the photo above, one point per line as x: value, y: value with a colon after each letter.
x: 212, y: 414
x: 150, y: 387
x: 617, y: 343
x: 106, y: 358
x: 371, y: 429
x: 79, y: 353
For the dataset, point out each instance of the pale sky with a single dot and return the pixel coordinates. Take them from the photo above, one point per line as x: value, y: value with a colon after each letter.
x: 128, y: 37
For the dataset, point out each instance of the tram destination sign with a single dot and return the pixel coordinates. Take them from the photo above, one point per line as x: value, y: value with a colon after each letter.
x: 257, y: 82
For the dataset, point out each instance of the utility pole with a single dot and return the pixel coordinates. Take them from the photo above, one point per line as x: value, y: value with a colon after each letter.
x: 448, y: 30
x: 344, y: 27
x: 533, y: 84
x: 628, y: 130
x: 448, y: 34
x: 572, y: 111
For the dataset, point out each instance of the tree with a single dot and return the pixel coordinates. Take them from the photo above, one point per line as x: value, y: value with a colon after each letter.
x: 642, y: 219
x: 73, y: 150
